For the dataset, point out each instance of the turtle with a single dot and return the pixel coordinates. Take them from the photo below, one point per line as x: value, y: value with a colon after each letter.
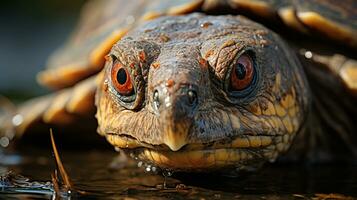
x: 207, y: 85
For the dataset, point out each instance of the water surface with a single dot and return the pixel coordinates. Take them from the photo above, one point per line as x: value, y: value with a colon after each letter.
x: 98, y: 173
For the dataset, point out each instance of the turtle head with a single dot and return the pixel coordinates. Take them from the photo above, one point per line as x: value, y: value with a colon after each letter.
x: 199, y: 93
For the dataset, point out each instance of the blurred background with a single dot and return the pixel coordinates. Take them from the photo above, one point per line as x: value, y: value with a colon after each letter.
x: 29, y: 32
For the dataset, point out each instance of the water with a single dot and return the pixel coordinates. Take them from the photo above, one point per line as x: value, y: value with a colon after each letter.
x: 101, y: 174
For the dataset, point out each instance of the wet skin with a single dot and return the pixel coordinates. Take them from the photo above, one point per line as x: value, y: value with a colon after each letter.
x: 201, y: 93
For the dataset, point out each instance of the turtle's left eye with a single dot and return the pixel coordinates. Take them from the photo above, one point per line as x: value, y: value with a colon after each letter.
x: 242, y: 73
x: 121, y: 80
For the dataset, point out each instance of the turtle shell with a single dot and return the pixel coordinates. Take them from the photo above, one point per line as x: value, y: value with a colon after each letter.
x: 103, y: 23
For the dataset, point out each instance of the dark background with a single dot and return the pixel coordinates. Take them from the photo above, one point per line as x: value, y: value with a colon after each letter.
x: 29, y: 32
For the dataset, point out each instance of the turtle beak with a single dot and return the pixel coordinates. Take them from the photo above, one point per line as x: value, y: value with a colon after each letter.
x: 176, y: 114
x: 175, y: 130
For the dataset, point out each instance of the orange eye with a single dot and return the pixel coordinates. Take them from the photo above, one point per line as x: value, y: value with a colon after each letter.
x: 121, y: 80
x: 242, y: 73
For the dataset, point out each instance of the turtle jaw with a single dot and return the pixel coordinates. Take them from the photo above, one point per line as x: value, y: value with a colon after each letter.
x: 239, y: 152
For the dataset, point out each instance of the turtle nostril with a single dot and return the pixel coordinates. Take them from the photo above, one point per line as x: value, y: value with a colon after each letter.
x: 192, y: 97
x: 156, y: 99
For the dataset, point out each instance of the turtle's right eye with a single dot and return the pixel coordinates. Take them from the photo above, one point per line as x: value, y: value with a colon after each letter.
x: 242, y: 73
x: 122, y: 80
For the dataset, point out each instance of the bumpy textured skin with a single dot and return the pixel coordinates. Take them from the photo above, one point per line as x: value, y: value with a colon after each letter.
x: 196, y: 51
x: 245, y: 131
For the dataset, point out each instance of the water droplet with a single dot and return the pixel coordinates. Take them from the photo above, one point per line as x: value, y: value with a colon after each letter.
x: 140, y: 163
x: 17, y: 120
x: 166, y: 173
x: 308, y: 54
x: 153, y: 169
x: 4, y: 141
x: 148, y: 168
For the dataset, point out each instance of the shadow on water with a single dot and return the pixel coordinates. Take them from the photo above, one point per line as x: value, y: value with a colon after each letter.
x: 102, y: 174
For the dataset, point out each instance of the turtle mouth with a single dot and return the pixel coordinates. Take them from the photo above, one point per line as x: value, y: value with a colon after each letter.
x: 213, y: 155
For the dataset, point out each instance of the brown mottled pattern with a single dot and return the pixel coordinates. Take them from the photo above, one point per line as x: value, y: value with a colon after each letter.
x: 276, y: 107
x: 102, y: 23
x: 195, y: 53
x: 343, y: 12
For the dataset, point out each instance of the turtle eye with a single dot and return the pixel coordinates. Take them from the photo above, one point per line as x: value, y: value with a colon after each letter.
x: 121, y: 80
x: 242, y: 73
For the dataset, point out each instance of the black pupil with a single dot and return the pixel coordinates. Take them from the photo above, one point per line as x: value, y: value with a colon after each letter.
x: 121, y: 76
x: 240, y: 71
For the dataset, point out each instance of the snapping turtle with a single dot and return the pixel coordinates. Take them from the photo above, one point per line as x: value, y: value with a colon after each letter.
x: 195, y: 85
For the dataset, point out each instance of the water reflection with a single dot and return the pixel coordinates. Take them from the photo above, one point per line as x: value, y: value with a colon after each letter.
x: 104, y: 175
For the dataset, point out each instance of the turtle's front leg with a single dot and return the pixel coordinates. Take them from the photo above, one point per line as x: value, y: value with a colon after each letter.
x: 61, y: 108
x: 331, y: 130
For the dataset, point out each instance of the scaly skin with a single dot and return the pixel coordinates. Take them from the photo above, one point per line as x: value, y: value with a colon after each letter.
x: 172, y: 55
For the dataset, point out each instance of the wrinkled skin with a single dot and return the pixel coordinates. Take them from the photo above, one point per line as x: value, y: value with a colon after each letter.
x: 195, y: 122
